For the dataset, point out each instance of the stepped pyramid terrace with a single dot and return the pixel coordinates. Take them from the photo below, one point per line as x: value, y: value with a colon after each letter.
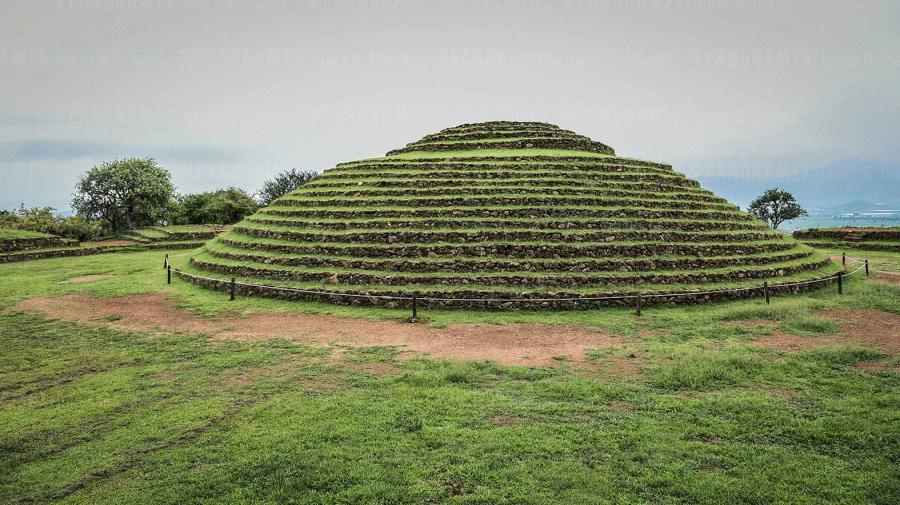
x: 505, y: 215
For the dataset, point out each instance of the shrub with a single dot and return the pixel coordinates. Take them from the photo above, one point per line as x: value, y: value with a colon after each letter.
x: 284, y: 183
x: 224, y: 206
x: 43, y: 220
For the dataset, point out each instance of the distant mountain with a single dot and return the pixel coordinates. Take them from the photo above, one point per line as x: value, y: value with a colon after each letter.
x: 854, y: 184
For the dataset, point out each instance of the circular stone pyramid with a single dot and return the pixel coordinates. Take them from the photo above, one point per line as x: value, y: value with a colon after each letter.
x: 493, y: 213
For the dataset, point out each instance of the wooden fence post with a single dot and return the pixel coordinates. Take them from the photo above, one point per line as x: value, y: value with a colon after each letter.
x: 844, y: 259
x: 766, y: 291
x: 232, y: 289
x: 169, y: 274
x: 867, y: 267
x: 166, y: 261
x: 637, y: 308
x: 840, y: 278
x: 415, y: 309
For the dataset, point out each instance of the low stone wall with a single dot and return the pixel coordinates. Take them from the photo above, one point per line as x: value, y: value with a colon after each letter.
x: 21, y: 244
x: 521, y: 281
x: 505, y: 265
x: 188, y: 235
x: 569, y: 144
x: 507, y: 201
x: 513, y: 250
x: 415, y: 237
x: 476, y: 264
x: 495, y: 300
x: 475, y: 192
x: 502, y: 125
x: 500, y: 134
x: 540, y: 159
x: 469, y: 167
x: 850, y: 234
x: 639, y: 224
x: 55, y: 253
x: 531, y: 212
x: 638, y: 186
x: 506, y: 174
x: 87, y: 251
x: 862, y: 246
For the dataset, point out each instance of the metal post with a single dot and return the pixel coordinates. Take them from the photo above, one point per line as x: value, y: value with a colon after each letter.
x: 766, y: 291
x: 867, y: 267
x: 840, y: 277
x: 232, y: 289
x: 637, y: 308
x: 169, y: 274
x: 844, y: 258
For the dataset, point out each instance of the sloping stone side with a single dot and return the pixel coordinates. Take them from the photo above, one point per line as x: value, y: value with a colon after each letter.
x: 87, y: 251
x: 529, y: 212
x: 543, y: 251
x: 499, y: 265
x: 637, y: 224
x: 850, y: 234
x: 407, y: 237
x: 568, y: 144
x: 487, y: 300
x: 596, y: 161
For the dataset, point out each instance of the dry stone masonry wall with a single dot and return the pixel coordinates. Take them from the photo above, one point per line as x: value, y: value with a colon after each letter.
x: 504, y: 215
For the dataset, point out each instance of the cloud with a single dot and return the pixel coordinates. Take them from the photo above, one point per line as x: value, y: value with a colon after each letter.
x: 62, y: 149
x: 199, y: 154
x: 50, y: 149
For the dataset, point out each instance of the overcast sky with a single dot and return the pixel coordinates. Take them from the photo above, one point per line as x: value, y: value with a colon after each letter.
x: 228, y: 92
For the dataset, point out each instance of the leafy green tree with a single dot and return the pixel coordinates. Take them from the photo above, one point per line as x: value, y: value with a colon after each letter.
x: 224, y: 206
x: 775, y: 207
x: 126, y: 193
x: 43, y: 219
x: 284, y: 183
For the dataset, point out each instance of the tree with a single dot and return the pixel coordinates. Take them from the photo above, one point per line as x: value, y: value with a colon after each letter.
x: 126, y: 193
x: 224, y: 206
x: 775, y: 207
x: 44, y: 220
x: 284, y: 183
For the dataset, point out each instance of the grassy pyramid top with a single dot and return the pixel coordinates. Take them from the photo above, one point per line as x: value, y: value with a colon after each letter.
x: 504, y: 135
x: 492, y: 212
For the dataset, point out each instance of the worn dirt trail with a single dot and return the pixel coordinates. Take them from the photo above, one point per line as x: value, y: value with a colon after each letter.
x: 518, y: 344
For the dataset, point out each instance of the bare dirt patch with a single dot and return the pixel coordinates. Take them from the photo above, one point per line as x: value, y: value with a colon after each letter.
x: 86, y: 278
x: 781, y: 341
x: 891, y: 277
x: 518, y: 344
x: 505, y: 420
x: 876, y: 366
x: 753, y: 323
x: 873, y: 328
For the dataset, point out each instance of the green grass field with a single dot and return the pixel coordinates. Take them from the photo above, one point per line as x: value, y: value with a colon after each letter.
x: 92, y: 413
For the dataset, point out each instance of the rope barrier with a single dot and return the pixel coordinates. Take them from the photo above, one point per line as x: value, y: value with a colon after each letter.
x: 861, y: 266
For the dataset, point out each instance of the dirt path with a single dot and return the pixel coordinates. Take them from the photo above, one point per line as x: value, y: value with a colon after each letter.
x: 518, y: 344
